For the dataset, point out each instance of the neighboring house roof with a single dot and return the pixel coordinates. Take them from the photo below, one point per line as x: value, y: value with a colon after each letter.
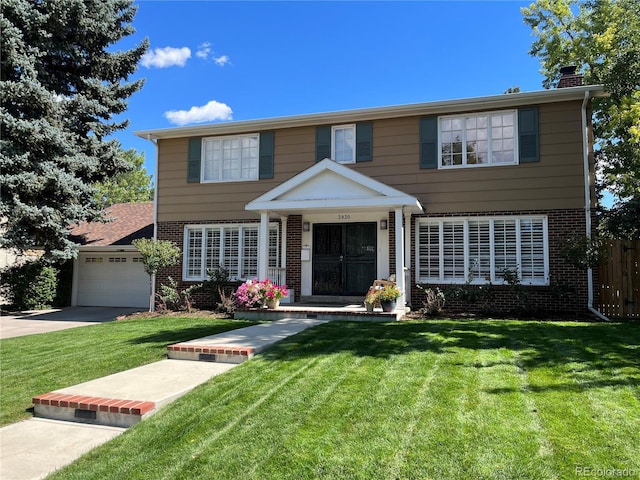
x: 128, y: 221
x: 430, y: 108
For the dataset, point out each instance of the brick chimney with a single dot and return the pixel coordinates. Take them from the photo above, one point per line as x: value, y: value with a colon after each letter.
x: 569, y: 77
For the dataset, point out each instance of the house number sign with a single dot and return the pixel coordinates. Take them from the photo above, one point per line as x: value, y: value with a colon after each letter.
x: 344, y: 216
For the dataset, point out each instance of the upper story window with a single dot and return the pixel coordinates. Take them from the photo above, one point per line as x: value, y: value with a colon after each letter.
x: 343, y: 143
x: 228, y: 159
x: 478, y: 139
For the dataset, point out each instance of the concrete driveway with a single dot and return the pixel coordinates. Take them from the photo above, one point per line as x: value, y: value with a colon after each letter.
x: 43, y: 321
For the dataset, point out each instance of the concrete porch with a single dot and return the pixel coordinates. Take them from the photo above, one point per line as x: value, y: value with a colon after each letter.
x: 323, y: 308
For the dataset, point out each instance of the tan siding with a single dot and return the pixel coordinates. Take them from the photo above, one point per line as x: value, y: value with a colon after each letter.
x: 553, y: 183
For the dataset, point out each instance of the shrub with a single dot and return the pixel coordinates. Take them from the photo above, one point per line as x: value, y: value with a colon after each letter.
x: 171, y: 298
x: 434, y: 301
x: 30, y: 286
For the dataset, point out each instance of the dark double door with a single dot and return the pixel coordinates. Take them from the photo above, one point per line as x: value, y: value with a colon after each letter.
x: 344, y: 258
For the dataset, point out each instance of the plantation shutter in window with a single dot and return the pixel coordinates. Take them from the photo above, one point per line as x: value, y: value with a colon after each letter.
x: 364, y: 141
x: 265, y: 165
x: 323, y: 143
x: 194, y: 157
x: 429, y: 142
x: 528, y: 135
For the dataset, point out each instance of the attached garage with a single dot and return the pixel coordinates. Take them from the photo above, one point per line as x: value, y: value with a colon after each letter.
x: 112, y: 280
x: 109, y: 271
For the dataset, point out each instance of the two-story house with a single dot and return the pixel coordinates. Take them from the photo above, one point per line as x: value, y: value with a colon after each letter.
x: 447, y: 192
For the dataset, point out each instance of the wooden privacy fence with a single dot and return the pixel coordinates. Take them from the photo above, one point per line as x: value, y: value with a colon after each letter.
x: 619, y: 279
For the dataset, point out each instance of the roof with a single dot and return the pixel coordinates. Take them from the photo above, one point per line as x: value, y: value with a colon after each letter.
x: 128, y: 221
x: 511, y: 100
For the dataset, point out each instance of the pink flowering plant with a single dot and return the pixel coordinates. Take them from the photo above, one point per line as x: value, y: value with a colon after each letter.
x: 254, y: 293
x: 273, y: 291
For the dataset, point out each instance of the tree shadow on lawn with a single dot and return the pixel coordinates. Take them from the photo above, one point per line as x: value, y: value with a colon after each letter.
x: 177, y: 335
x: 594, y: 350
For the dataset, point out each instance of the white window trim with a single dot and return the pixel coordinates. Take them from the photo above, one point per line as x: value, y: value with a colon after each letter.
x: 352, y: 126
x: 203, y: 268
x: 516, y: 156
x: 226, y: 137
x: 491, y: 219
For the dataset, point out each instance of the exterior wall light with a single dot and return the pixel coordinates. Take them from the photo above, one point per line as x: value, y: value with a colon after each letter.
x: 383, y: 224
x: 306, y: 226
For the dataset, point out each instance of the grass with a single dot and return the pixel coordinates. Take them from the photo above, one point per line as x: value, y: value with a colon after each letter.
x: 409, y: 400
x: 37, y: 364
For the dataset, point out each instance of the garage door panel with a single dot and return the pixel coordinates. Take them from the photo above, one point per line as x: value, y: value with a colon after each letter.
x: 112, y: 280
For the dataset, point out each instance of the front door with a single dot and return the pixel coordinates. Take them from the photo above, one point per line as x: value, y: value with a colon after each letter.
x: 344, y: 258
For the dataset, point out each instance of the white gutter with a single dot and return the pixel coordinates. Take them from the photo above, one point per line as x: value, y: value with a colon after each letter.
x: 587, y: 199
x: 152, y: 303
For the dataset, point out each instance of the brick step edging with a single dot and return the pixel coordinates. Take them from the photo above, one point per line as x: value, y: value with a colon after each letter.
x: 211, y: 349
x: 96, y: 404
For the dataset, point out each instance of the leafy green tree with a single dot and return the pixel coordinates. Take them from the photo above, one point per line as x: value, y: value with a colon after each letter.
x: 62, y: 84
x: 127, y: 187
x: 602, y: 38
x: 156, y: 254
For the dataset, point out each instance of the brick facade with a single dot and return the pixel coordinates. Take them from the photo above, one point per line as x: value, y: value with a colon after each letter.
x: 566, y: 294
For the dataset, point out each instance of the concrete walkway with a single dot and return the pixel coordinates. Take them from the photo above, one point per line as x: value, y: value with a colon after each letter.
x: 81, y: 417
x: 44, y: 321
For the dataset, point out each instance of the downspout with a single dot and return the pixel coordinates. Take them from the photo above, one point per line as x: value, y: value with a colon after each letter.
x: 152, y: 303
x: 587, y: 199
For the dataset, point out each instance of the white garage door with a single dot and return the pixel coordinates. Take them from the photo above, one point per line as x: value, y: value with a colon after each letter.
x: 112, y: 280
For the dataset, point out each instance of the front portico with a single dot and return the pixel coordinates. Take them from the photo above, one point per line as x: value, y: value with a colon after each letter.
x: 336, y: 201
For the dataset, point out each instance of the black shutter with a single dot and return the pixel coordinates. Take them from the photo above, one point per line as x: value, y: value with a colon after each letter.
x: 528, y: 141
x: 323, y: 143
x: 364, y: 142
x: 266, y: 155
x: 429, y: 142
x: 194, y: 158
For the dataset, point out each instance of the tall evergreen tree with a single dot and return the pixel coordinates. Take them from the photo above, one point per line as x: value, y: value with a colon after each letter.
x: 62, y: 84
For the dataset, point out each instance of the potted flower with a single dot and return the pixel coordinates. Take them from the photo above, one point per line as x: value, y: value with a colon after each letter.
x: 371, y: 299
x: 274, y: 293
x: 388, y: 295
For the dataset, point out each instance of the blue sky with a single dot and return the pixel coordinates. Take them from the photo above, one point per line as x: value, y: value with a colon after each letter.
x: 213, y: 61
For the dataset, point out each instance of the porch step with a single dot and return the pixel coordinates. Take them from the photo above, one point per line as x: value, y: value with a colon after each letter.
x: 237, y: 346
x: 124, y: 399
x: 353, y: 313
x: 95, y: 410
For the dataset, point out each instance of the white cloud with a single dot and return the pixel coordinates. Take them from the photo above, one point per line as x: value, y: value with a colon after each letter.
x: 205, y: 53
x: 221, y: 61
x: 203, y: 50
x: 211, y: 111
x: 166, y: 57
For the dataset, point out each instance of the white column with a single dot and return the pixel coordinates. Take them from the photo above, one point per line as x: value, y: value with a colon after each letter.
x: 408, y: 278
x: 399, y: 220
x: 263, y: 246
x: 283, y: 251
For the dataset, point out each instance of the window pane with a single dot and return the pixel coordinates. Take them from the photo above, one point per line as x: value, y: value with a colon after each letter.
x: 453, y: 250
x: 273, y: 248
x: 231, y: 251
x: 194, y: 253
x: 231, y: 158
x: 532, y: 250
x: 480, y: 249
x: 212, y: 248
x: 250, y: 252
x: 429, y: 251
x: 505, y: 249
x: 344, y: 144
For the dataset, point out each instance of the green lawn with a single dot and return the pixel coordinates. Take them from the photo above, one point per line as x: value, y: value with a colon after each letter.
x: 411, y: 400
x: 38, y: 364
